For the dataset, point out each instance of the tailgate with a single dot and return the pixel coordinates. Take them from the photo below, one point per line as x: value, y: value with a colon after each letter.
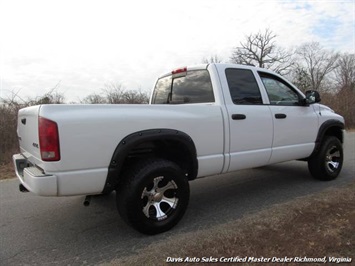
x: 27, y: 131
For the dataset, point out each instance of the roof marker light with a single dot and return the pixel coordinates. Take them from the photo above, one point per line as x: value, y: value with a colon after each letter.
x: 179, y: 70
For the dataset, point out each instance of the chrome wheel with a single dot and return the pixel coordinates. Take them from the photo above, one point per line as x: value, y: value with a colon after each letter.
x: 159, y: 198
x: 326, y: 164
x: 153, y: 196
x: 332, y: 159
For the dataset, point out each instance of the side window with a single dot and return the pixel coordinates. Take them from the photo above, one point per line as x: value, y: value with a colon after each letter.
x: 194, y: 87
x: 279, y: 92
x: 243, y: 87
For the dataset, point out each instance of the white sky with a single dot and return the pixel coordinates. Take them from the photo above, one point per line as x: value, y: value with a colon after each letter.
x: 85, y: 44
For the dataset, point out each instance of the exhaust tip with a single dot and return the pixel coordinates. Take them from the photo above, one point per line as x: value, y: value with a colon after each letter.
x: 87, y: 201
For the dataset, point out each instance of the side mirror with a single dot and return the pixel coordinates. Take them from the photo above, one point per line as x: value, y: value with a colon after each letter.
x: 312, y: 97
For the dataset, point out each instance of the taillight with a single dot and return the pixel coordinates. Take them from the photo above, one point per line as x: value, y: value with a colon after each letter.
x: 48, y: 139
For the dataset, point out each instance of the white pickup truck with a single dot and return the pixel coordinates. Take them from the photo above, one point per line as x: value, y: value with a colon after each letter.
x: 202, y: 120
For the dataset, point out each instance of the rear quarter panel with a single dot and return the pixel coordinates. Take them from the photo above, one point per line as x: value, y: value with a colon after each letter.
x: 89, y: 134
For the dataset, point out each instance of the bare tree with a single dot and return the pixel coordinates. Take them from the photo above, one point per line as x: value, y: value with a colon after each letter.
x: 212, y: 59
x: 260, y: 49
x: 52, y: 96
x: 300, y: 78
x: 94, y: 99
x: 317, y: 63
x: 115, y: 93
x: 135, y: 97
x: 8, y: 123
x: 345, y: 72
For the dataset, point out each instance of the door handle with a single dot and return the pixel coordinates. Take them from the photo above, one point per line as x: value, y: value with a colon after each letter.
x: 238, y: 117
x: 280, y: 116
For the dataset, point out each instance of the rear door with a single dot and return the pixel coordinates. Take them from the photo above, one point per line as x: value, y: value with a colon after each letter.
x: 250, y: 121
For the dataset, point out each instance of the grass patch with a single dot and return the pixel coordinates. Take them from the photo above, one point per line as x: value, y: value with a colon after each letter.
x: 313, y: 226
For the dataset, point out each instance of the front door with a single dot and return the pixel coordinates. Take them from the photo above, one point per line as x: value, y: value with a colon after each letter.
x: 295, y: 125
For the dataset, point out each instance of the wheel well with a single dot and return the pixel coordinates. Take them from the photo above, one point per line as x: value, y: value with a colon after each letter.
x: 172, y: 150
x: 167, y: 144
x: 336, y: 132
x: 328, y: 128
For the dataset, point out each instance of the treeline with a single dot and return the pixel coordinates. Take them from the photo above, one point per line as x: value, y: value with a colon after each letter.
x: 309, y: 66
x: 114, y: 93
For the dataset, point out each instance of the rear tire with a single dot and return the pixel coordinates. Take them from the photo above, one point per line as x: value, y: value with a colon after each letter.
x: 153, y: 196
x: 327, y: 163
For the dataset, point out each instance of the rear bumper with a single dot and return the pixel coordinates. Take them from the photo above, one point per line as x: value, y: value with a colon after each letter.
x: 33, y: 178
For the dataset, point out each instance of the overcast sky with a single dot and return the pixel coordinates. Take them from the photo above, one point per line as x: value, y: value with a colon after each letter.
x: 83, y: 44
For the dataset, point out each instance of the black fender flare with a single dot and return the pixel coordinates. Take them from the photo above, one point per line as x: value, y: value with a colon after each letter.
x: 324, y: 128
x: 134, y: 139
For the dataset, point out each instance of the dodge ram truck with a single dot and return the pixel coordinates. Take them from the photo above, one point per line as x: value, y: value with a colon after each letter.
x: 202, y: 120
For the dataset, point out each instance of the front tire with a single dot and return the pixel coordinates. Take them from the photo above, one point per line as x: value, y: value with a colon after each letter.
x: 327, y: 163
x: 153, y: 196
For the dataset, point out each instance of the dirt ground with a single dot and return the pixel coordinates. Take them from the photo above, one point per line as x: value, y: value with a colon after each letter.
x: 7, y: 171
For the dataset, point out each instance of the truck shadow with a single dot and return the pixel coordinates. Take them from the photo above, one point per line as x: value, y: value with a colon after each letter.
x: 220, y: 199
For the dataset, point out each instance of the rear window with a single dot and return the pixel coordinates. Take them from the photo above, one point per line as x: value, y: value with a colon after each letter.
x: 195, y: 87
x: 243, y: 86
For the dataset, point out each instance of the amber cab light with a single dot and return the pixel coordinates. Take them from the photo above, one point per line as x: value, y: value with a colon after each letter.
x: 48, y: 139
